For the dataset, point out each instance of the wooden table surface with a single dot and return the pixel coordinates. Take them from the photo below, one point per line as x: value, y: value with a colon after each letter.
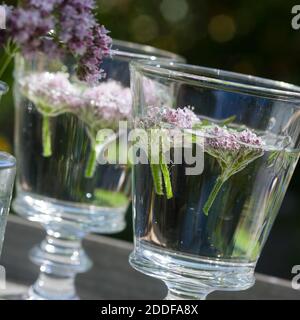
x: 111, y: 276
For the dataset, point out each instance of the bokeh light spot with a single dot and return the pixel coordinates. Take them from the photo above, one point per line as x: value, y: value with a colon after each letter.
x: 106, y: 6
x: 174, y: 10
x: 5, y: 145
x: 144, y: 28
x: 222, y: 28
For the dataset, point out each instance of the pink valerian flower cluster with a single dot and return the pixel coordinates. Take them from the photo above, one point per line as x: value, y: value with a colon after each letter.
x: 45, y: 7
x: 182, y: 118
x: 27, y: 27
x: 61, y: 27
x: 109, y: 103
x: 217, y: 137
x: 249, y: 137
x: 224, y: 139
x: 89, y: 67
x: 76, y: 23
x: 221, y: 139
x: 51, y: 92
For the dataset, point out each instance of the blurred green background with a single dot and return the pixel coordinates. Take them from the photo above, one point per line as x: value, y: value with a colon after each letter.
x: 254, y: 37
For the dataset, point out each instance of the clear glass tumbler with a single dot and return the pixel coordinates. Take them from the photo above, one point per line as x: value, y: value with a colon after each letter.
x: 7, y: 177
x: 203, y: 230
x: 60, y: 184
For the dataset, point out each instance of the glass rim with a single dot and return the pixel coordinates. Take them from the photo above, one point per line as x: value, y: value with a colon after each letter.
x: 143, y: 52
x: 3, y: 87
x: 219, y: 79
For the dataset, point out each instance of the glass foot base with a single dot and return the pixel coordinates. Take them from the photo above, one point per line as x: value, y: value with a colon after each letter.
x: 34, y: 295
x: 61, y: 255
x: 46, y: 287
x: 13, y: 297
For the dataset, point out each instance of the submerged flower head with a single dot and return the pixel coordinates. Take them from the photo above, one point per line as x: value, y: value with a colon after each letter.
x: 249, y: 137
x: 182, y: 118
x: 52, y: 93
x: 234, y: 151
x: 107, y: 103
x: 224, y: 139
x: 221, y: 138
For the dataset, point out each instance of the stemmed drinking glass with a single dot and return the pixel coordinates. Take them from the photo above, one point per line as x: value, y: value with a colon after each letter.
x: 60, y: 183
x: 201, y: 225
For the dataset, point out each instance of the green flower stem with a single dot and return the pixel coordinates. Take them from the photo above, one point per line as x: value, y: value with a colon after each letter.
x: 168, y: 185
x: 212, y: 197
x: 160, y: 173
x: 5, y: 64
x: 46, y: 136
x: 98, y: 146
x: 10, y: 50
x: 92, y: 163
x: 157, y: 179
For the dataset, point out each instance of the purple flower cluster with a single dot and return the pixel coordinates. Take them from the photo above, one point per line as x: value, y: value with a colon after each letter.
x: 28, y: 27
x: 76, y: 23
x: 182, y: 118
x: 45, y: 7
x: 89, y: 68
x: 249, y: 137
x: 52, y: 93
x: 56, y: 27
x: 221, y: 139
x: 107, y: 104
x: 224, y: 139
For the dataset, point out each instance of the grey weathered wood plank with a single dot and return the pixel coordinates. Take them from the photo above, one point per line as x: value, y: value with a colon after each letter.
x: 111, y: 276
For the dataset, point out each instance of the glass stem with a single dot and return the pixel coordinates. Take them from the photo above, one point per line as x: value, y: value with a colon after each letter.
x: 212, y: 197
x: 60, y: 257
x: 92, y: 163
x: 179, y: 292
x: 46, y: 136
